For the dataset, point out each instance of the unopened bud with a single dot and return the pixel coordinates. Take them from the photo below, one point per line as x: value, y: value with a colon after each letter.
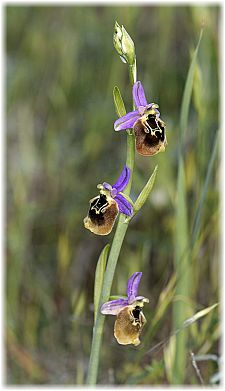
x: 124, y: 44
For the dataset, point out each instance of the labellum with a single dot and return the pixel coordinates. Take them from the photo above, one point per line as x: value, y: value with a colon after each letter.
x: 150, y: 135
x: 102, y: 214
x: 129, y: 324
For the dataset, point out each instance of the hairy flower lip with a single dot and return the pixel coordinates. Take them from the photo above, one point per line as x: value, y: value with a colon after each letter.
x: 102, y: 214
x: 150, y: 135
x: 129, y: 325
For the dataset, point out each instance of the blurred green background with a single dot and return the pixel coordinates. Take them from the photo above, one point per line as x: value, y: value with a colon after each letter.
x: 61, y: 69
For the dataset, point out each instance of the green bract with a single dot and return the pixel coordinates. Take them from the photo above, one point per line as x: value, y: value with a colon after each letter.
x: 145, y: 192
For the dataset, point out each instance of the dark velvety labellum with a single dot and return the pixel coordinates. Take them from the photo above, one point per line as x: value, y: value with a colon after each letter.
x: 136, y: 312
x: 128, y: 326
x: 151, y: 141
x: 101, y: 215
x: 150, y: 135
x: 155, y: 124
x: 97, y: 207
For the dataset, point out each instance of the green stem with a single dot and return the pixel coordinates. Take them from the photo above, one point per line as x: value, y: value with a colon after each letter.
x: 130, y: 160
x: 133, y: 73
x: 112, y: 261
x: 106, y: 289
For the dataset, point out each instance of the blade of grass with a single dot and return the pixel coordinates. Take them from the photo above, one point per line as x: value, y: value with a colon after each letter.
x: 188, y: 92
x: 182, y: 286
x: 199, y: 315
x: 186, y: 323
x: 182, y: 265
x: 164, y: 301
x: 197, y: 220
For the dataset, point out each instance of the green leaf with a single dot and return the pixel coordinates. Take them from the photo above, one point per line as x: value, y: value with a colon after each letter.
x: 188, y: 91
x: 118, y: 101
x: 181, y: 239
x: 198, y: 92
x: 197, y: 220
x: 145, y: 192
x: 183, y: 274
x: 169, y: 356
x: 165, y: 298
x: 199, y: 315
x: 99, y: 276
x: 170, y: 350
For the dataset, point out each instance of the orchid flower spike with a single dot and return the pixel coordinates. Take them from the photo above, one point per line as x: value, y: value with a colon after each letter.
x: 149, y: 129
x: 105, y: 207
x: 130, y: 318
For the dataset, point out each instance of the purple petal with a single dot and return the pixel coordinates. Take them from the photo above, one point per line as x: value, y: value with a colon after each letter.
x: 113, y: 307
x: 123, y: 179
x: 127, y: 121
x: 107, y: 186
x: 132, y: 286
x: 149, y: 105
x: 114, y: 192
x: 124, y: 206
x: 139, y: 95
x: 157, y: 113
x: 141, y: 110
